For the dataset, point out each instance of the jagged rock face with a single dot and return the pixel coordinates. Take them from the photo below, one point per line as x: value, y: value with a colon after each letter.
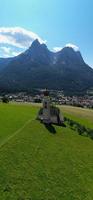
x: 68, y: 56
x: 39, y: 53
x: 38, y: 67
x: 4, y: 62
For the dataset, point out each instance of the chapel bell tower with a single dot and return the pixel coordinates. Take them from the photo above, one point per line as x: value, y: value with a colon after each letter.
x: 46, y: 107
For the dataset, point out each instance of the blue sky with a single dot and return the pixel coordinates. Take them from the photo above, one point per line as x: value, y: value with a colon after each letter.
x: 59, y: 22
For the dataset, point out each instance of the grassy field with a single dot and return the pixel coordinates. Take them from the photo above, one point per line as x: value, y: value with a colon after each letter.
x: 83, y: 116
x: 38, y: 163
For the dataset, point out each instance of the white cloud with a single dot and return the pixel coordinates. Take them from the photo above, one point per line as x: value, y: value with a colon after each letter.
x: 56, y: 49
x: 18, y: 37
x: 15, y: 40
x: 6, y: 55
x: 6, y: 50
x: 9, y: 52
x: 14, y: 53
x: 76, y: 48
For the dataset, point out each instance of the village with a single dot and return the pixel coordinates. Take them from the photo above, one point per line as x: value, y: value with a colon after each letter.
x: 57, y: 97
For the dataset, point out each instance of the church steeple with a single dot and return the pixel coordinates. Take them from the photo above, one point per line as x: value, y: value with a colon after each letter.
x: 46, y: 107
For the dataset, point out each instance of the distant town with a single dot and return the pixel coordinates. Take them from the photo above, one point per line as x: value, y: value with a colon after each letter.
x: 57, y: 97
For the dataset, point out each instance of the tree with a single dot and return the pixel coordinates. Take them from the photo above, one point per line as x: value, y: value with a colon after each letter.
x: 5, y: 99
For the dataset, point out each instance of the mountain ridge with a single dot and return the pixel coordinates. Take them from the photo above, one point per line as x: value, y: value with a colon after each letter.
x: 38, y: 67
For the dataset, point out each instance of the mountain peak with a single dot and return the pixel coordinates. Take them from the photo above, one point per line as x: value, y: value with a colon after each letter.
x: 70, y: 56
x: 34, y: 48
x: 73, y: 46
x: 39, y: 52
x: 35, y: 43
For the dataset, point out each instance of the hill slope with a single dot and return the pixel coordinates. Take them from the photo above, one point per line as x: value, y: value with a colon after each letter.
x: 40, y: 68
x: 37, y: 164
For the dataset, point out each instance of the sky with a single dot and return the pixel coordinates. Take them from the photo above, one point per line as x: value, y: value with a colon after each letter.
x: 54, y: 22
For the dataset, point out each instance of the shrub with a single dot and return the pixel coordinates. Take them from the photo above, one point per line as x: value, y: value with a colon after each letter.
x: 5, y: 99
x: 82, y: 130
x: 90, y: 133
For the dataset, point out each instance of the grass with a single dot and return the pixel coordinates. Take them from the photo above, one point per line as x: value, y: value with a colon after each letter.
x: 81, y: 115
x: 36, y: 164
x: 12, y: 117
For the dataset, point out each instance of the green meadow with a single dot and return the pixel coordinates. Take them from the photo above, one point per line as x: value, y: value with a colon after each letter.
x: 82, y: 116
x: 42, y: 163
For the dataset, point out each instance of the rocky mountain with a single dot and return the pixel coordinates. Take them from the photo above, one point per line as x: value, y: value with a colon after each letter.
x: 4, y: 62
x: 38, y: 67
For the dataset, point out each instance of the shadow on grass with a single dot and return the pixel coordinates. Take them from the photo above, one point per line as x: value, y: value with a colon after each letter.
x: 62, y: 125
x: 50, y: 128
